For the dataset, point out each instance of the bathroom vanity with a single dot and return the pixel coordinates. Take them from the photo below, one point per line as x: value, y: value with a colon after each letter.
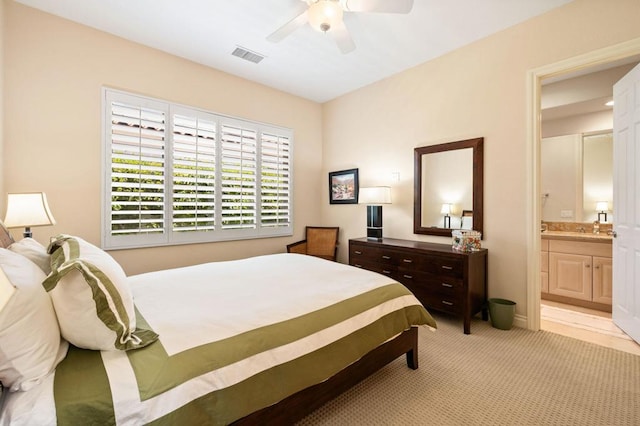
x: 576, y: 268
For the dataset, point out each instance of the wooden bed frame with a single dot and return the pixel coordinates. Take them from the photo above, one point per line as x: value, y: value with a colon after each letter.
x: 298, y: 405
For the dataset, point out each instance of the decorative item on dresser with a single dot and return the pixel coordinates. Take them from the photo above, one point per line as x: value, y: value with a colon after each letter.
x: 442, y: 278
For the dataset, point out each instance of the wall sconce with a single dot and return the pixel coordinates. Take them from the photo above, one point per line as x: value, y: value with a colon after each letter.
x: 374, y: 197
x: 446, y: 211
x: 602, y: 207
x: 28, y: 209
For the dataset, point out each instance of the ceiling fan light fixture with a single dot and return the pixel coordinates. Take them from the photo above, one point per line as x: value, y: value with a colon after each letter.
x: 325, y: 14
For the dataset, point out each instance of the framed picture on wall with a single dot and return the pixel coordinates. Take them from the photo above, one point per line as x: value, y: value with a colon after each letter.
x: 343, y: 187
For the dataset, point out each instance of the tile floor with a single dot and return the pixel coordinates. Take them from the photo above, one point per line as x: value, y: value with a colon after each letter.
x: 585, y: 324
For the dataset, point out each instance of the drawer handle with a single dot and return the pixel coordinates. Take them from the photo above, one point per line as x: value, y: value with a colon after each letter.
x: 357, y: 252
x: 447, y: 285
x: 386, y: 272
x: 448, y: 268
x: 407, y: 260
x: 587, y: 266
x: 445, y: 302
x: 408, y: 276
x: 386, y: 257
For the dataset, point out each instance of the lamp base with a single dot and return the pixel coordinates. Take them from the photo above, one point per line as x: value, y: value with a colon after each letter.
x: 374, y: 234
x: 374, y: 223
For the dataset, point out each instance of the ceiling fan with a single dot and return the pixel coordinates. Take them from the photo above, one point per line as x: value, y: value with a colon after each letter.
x: 326, y: 16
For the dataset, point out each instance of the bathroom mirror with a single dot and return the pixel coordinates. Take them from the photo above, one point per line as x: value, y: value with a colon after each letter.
x: 448, y: 187
x: 577, y: 175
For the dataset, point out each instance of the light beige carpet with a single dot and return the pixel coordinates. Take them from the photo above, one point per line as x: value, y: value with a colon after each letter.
x: 495, y: 377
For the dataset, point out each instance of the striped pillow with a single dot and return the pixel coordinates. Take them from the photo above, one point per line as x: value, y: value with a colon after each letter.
x: 92, y: 298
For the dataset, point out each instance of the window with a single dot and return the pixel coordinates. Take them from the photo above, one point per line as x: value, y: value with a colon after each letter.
x: 177, y: 175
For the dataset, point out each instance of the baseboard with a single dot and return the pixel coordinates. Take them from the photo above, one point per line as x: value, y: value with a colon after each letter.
x: 520, y: 321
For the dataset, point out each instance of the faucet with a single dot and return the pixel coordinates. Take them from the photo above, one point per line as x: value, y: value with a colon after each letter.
x: 596, y: 227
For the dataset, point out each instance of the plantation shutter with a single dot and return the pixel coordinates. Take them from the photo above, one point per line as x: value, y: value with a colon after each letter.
x: 194, y: 168
x: 174, y: 174
x: 275, y: 156
x: 238, y: 186
x: 137, y: 169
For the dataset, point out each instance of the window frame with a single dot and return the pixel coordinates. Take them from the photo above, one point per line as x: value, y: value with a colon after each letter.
x: 169, y: 236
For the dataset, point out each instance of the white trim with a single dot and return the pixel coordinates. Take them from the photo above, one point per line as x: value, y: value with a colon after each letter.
x: 533, y: 216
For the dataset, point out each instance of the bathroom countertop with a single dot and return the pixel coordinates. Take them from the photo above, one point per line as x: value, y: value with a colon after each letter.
x: 576, y: 236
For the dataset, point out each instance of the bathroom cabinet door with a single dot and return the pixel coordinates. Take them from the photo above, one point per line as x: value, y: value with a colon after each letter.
x: 570, y: 275
x: 602, y: 279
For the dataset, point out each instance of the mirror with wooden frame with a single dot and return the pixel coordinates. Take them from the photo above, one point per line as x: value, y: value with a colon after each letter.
x: 448, y: 181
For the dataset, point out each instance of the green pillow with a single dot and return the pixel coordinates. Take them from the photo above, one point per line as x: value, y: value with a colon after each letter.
x: 91, y: 297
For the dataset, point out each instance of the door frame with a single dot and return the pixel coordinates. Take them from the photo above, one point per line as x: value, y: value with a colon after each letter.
x: 534, y: 131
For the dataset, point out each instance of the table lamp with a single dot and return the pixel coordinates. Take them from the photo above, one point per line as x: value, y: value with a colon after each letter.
x: 374, y: 197
x: 26, y: 210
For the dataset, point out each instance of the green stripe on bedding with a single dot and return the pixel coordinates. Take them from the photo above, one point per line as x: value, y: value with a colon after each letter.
x: 81, y: 381
x: 227, y: 405
x: 156, y: 372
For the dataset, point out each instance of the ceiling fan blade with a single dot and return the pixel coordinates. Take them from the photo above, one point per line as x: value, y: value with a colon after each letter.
x: 343, y: 39
x: 289, y: 27
x: 379, y: 6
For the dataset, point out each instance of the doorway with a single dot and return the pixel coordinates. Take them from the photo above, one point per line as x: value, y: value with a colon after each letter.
x: 573, y: 68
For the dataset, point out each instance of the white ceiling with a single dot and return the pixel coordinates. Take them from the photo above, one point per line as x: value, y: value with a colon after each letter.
x: 306, y: 63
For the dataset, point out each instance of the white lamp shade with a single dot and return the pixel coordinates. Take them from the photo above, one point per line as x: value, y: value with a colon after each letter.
x: 375, y: 195
x: 602, y: 206
x: 446, y: 209
x: 325, y: 14
x: 28, y: 209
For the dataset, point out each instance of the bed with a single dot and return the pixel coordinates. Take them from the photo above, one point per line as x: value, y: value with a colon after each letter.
x: 262, y: 340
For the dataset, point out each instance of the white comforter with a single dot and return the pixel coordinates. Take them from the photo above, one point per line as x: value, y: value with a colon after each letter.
x: 208, y: 296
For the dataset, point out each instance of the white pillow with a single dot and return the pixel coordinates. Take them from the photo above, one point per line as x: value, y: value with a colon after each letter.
x: 92, y: 298
x: 34, y: 251
x: 30, y: 343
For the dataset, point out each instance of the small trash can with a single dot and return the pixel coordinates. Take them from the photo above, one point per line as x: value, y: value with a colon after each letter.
x: 502, y: 312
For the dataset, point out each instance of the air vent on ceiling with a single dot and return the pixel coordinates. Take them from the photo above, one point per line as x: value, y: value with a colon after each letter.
x: 250, y: 56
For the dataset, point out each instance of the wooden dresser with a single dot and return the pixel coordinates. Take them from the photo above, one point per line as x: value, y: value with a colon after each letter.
x: 442, y: 279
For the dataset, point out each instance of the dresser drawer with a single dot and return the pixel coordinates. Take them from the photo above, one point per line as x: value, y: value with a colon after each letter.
x: 432, y: 282
x: 379, y: 267
x: 440, y: 302
x: 434, y: 265
x: 376, y: 255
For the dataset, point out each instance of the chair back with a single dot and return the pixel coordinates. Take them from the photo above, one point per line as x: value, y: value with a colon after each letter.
x: 322, y: 241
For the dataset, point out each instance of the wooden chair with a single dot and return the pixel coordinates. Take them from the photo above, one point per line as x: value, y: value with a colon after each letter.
x: 320, y: 241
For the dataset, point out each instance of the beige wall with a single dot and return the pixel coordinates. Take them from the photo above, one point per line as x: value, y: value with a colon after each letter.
x: 478, y: 90
x: 583, y: 123
x: 2, y: 190
x: 54, y: 72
